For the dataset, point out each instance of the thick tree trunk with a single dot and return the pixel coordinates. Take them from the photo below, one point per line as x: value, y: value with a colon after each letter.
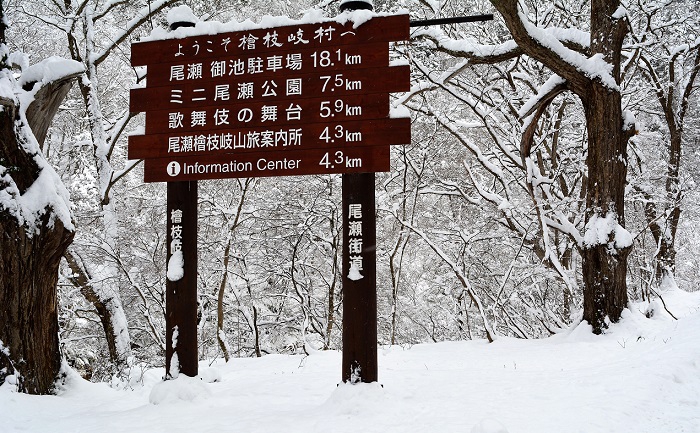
x: 604, y: 253
x: 29, y: 260
x: 604, y: 261
x: 665, y: 260
x: 28, y: 316
x: 31, y: 242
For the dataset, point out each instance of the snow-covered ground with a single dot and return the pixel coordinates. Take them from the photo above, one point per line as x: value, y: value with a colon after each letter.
x: 642, y: 376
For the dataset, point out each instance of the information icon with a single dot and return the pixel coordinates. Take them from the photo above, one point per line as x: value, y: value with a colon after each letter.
x: 173, y: 168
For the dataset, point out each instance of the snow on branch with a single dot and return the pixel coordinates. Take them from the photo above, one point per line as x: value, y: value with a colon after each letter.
x: 550, y: 252
x: 469, y: 48
x: 547, y: 91
x: 139, y: 19
x: 107, y: 7
x: 546, y: 46
x: 606, y: 230
x: 537, y: 105
x: 46, y: 194
x: 574, y: 39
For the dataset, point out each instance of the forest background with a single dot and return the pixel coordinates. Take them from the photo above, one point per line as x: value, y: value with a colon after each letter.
x: 478, y: 236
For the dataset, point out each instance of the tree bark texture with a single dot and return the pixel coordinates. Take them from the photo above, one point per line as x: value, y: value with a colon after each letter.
x: 29, y: 261
x: 28, y: 316
x: 604, y: 265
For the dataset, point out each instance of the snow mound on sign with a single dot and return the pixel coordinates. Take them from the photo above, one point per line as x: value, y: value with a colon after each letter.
x: 181, y: 14
x: 176, y: 266
x: 184, y: 388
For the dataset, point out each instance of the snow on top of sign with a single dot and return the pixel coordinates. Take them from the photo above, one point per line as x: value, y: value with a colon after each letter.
x: 313, y: 16
x: 181, y: 14
x: 342, y: 2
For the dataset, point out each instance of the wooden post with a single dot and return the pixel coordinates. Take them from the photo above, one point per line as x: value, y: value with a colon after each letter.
x: 181, y: 351
x: 359, y: 269
x: 359, y: 279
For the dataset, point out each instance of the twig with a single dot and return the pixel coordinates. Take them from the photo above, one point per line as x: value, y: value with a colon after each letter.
x: 662, y: 302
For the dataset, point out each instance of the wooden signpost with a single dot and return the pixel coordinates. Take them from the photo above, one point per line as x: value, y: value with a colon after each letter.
x: 286, y: 101
x: 359, y: 265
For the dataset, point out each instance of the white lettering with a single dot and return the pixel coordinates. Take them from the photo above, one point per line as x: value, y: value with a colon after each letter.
x: 280, y: 164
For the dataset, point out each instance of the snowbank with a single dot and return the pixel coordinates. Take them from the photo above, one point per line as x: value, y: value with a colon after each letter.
x: 642, y: 376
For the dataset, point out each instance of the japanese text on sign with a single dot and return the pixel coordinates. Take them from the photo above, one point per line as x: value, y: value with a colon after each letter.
x: 355, y: 240
x: 219, y: 106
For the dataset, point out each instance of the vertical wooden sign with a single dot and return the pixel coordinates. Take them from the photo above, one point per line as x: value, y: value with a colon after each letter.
x: 181, y: 351
x: 359, y: 362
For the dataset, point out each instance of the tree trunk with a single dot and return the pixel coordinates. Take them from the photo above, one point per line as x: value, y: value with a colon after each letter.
x: 604, y: 261
x: 664, y: 231
x: 29, y: 316
x: 604, y: 253
x: 220, y: 331
x: 108, y: 308
x: 104, y: 295
x: 29, y: 261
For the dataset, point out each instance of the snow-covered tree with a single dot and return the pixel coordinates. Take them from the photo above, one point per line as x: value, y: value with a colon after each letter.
x: 585, y: 61
x: 665, y: 57
x: 36, y: 225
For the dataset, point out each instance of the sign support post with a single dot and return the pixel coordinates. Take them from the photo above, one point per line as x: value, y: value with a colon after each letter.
x: 181, y: 351
x: 359, y: 362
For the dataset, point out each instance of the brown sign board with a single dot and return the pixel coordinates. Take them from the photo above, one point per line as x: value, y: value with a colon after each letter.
x: 373, y: 132
x: 352, y: 82
x: 279, y: 39
x: 245, y: 68
x: 269, y: 114
x: 266, y: 164
x: 282, y: 101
